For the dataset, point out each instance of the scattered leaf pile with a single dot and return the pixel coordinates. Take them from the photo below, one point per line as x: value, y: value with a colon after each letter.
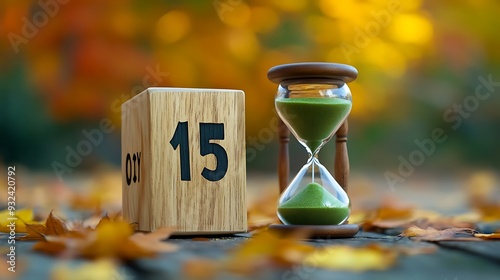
x: 111, y: 238
x: 392, y: 214
x: 449, y: 234
x: 268, y: 249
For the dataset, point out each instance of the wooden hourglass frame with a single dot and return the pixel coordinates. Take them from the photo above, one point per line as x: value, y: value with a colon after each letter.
x: 315, y: 70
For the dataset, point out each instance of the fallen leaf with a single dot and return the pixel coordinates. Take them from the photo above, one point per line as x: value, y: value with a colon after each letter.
x: 110, y: 239
x: 419, y: 218
x: 53, y: 226
x: 488, y: 235
x: 432, y: 234
x: 265, y: 249
x: 268, y: 248
x: 341, y: 257
x: 101, y: 269
x: 23, y: 216
x: 153, y: 241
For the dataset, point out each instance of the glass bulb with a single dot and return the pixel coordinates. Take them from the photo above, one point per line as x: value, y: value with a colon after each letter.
x: 313, y: 110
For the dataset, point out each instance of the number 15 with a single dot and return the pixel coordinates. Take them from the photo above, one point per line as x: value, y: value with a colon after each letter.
x: 208, y: 131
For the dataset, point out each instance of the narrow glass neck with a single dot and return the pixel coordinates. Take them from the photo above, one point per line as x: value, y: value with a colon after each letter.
x: 312, y: 156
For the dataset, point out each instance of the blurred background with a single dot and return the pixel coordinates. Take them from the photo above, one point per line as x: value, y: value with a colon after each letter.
x: 66, y: 66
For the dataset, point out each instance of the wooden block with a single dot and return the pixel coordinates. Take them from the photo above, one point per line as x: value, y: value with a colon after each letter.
x: 183, y: 160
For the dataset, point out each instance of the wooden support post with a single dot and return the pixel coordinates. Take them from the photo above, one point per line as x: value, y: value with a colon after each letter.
x: 341, y: 167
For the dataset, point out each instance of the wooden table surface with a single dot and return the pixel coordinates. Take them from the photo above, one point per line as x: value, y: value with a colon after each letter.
x: 452, y: 260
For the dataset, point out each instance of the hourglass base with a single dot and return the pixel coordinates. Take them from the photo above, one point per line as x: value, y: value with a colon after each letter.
x: 324, y: 232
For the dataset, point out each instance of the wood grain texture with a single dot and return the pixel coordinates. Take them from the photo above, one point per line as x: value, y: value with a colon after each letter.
x: 197, y: 206
x: 341, y: 165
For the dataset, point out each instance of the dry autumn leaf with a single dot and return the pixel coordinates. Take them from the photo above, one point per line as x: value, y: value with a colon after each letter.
x: 370, y: 257
x: 488, y: 235
x: 391, y: 215
x: 53, y: 226
x: 268, y: 247
x: 264, y: 249
x: 110, y: 239
x: 432, y: 234
x: 153, y: 241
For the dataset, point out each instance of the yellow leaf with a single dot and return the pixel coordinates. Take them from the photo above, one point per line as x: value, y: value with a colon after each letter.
x: 371, y: 257
x: 22, y: 215
x: 267, y: 248
x: 102, y: 269
x: 110, y: 239
x: 107, y: 239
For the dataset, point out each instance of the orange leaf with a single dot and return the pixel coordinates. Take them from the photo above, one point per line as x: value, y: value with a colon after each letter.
x: 488, y: 236
x: 53, y: 226
x: 50, y: 248
x: 34, y: 232
x: 153, y: 241
x: 110, y: 239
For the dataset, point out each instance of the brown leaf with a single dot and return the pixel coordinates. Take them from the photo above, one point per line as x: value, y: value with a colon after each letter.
x: 421, y: 219
x: 54, y: 247
x: 34, y: 232
x: 55, y: 226
x: 432, y: 234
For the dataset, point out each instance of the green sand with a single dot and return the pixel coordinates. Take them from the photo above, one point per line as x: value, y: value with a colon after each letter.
x: 313, y: 119
x: 313, y: 206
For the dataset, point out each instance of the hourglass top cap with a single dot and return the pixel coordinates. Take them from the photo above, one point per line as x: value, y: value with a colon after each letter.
x: 318, y: 70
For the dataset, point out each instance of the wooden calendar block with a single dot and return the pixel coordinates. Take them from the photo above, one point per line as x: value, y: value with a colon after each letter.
x: 183, y: 160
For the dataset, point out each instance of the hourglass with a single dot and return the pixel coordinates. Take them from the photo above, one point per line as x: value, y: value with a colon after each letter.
x: 313, y: 101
